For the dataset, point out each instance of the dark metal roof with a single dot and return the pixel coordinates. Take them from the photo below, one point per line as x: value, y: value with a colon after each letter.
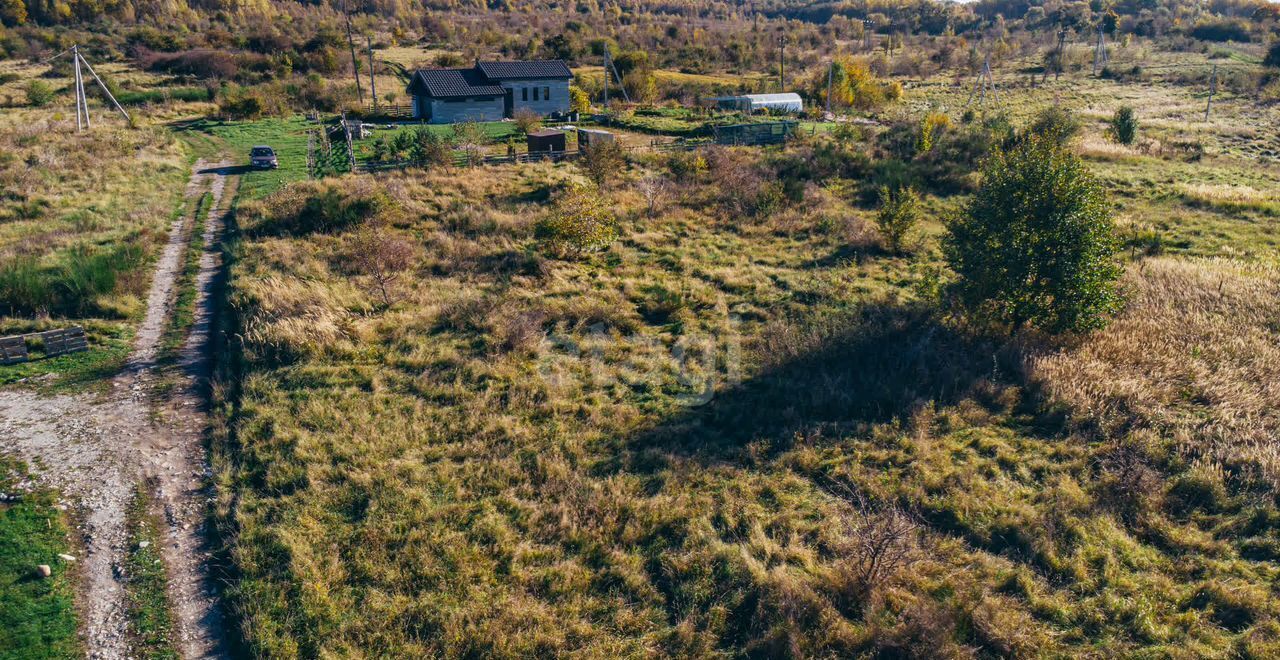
x: 451, y: 83
x: 546, y: 132
x: 525, y: 70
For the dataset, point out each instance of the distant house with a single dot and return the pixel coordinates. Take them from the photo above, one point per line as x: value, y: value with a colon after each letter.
x: 490, y: 91
x: 787, y: 102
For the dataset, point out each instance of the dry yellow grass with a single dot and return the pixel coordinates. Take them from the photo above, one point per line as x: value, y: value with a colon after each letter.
x: 502, y: 463
x: 1230, y: 196
x: 1195, y: 357
x: 1103, y: 149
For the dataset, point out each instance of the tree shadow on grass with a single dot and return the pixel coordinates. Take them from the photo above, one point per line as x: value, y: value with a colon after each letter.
x: 832, y: 377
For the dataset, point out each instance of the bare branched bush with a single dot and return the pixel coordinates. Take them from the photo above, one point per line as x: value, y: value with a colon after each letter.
x: 880, y: 542
x: 527, y: 121
x: 601, y: 162
x: 745, y: 191
x: 518, y: 332
x: 654, y: 189
x: 1128, y: 484
x: 382, y: 257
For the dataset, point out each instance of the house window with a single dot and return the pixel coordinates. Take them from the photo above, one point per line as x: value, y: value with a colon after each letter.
x: 535, y: 93
x: 524, y: 93
x: 546, y: 93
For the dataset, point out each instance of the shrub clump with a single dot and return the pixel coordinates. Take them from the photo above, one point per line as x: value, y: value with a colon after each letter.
x: 1036, y: 245
x: 579, y: 223
x: 1124, y: 125
x: 1055, y: 124
x: 39, y: 93
x: 303, y: 209
x: 899, y: 213
x: 73, y: 285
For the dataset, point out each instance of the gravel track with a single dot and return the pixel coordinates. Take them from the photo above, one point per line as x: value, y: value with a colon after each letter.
x: 97, y: 449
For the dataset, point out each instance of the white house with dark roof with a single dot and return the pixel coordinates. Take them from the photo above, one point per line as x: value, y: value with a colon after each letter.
x: 490, y: 91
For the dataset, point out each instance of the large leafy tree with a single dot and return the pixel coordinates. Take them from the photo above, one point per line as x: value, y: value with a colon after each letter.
x: 1035, y: 246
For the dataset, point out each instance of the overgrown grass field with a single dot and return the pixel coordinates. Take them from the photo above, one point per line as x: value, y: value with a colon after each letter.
x: 82, y: 217
x: 686, y: 444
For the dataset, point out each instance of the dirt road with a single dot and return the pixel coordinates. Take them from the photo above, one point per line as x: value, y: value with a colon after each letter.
x: 97, y: 449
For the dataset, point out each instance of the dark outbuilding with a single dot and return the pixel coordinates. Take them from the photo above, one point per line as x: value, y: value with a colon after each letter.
x: 546, y: 140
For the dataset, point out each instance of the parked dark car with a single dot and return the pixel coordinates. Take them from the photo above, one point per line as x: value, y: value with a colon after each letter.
x: 263, y: 157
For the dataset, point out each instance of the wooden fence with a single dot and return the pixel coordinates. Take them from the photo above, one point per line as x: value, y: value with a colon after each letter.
x: 14, y: 349
x: 462, y: 159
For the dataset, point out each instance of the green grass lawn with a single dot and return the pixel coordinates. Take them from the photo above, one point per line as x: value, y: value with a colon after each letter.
x: 495, y: 131
x: 287, y: 136
x: 109, y: 346
x: 210, y: 138
x: 36, y: 617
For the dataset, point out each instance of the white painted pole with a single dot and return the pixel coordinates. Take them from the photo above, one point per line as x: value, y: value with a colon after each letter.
x: 105, y: 91
x: 79, y: 90
x: 84, y: 97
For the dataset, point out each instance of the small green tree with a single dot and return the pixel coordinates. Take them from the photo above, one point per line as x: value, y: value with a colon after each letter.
x: 601, y: 162
x: 1124, y: 125
x: 933, y: 124
x: 1054, y: 123
x: 39, y: 93
x: 1035, y: 246
x: 470, y: 137
x: 429, y: 149
x: 899, y: 213
x: 580, y: 222
x: 579, y: 100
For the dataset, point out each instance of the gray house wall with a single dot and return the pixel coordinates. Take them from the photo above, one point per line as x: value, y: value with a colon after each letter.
x: 450, y: 111
x: 558, y: 101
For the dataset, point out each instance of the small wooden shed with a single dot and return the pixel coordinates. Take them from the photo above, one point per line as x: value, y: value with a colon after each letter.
x: 547, y: 139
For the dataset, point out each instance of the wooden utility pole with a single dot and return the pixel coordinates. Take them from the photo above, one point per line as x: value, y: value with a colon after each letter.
x: 782, y: 63
x: 1213, y: 88
x: 981, y: 84
x: 351, y: 152
x: 355, y: 64
x: 1100, y: 59
x: 606, y: 66
x: 610, y: 68
x: 373, y: 78
x: 1059, y: 62
x: 830, y: 69
x: 105, y: 91
x: 82, y: 101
